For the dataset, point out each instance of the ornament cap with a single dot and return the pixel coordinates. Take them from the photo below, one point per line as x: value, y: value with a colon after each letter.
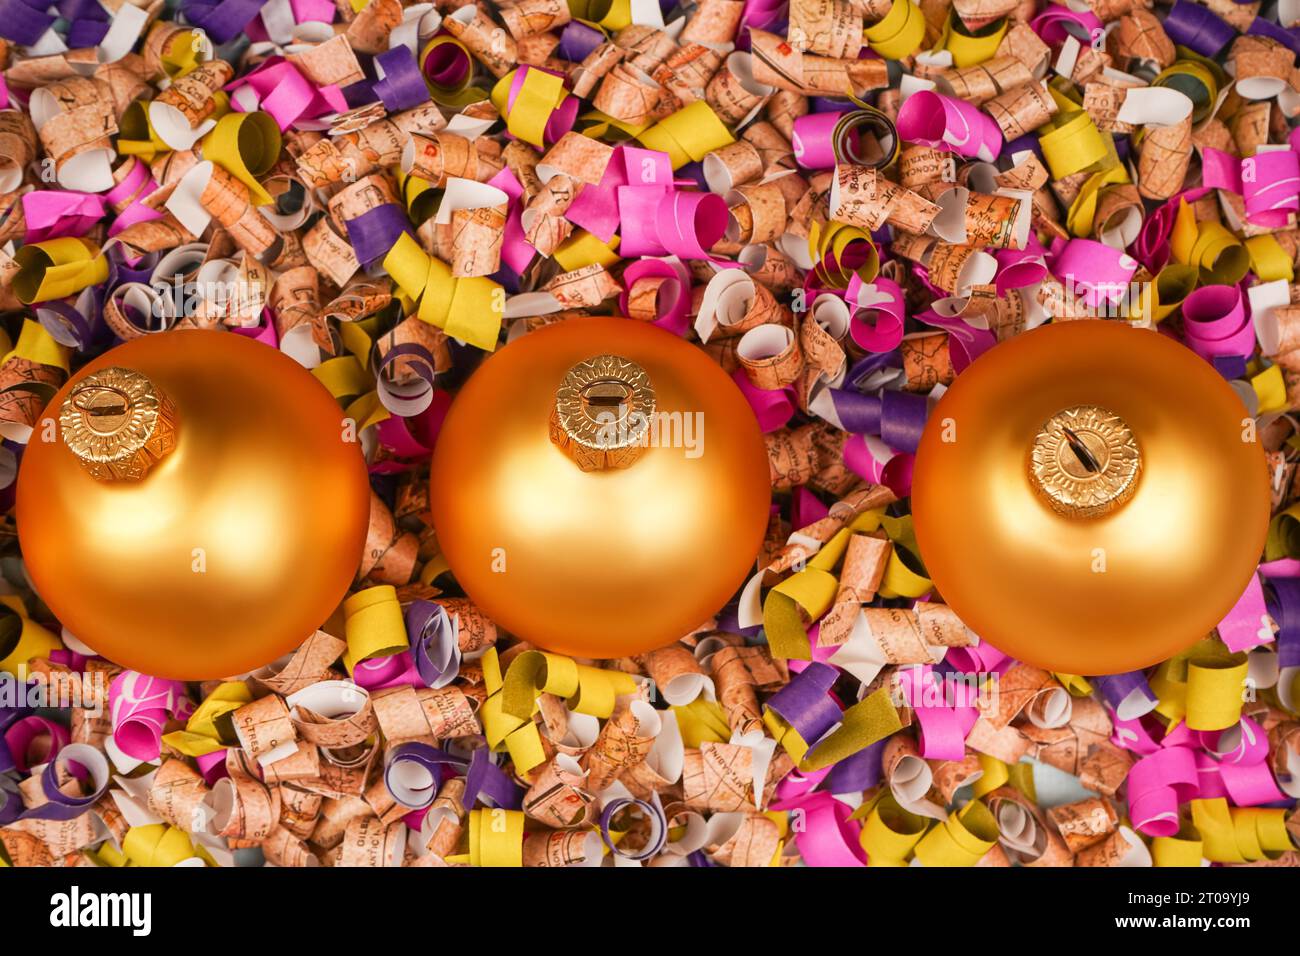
x: 1085, y: 462
x: 602, y: 413
x: 118, y: 424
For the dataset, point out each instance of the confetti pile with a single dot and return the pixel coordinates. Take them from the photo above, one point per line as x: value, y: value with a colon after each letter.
x: 844, y: 203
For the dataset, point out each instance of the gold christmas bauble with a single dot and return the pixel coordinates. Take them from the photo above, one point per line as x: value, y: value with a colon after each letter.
x: 1089, y: 497
x: 600, y: 487
x: 192, y: 505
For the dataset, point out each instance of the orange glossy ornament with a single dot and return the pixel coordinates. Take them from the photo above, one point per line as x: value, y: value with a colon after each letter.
x: 1079, y: 569
x: 233, y: 547
x: 609, y: 561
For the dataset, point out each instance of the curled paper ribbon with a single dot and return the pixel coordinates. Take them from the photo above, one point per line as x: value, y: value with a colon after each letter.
x: 414, y: 773
x: 877, y: 326
x: 1216, y: 322
x: 280, y: 89
x: 535, y: 104
x: 246, y: 145
x: 32, y: 741
x: 658, y: 290
x: 813, y: 139
x: 651, y: 814
x: 400, y: 84
x: 470, y: 309
x: 140, y: 707
x: 61, y: 804
x: 1157, y: 785
x: 946, y: 123
x: 1196, y: 27
x: 448, y: 68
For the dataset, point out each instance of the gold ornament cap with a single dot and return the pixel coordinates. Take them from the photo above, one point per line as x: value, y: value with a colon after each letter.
x: 1085, y: 462
x: 118, y: 424
x: 601, y: 418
